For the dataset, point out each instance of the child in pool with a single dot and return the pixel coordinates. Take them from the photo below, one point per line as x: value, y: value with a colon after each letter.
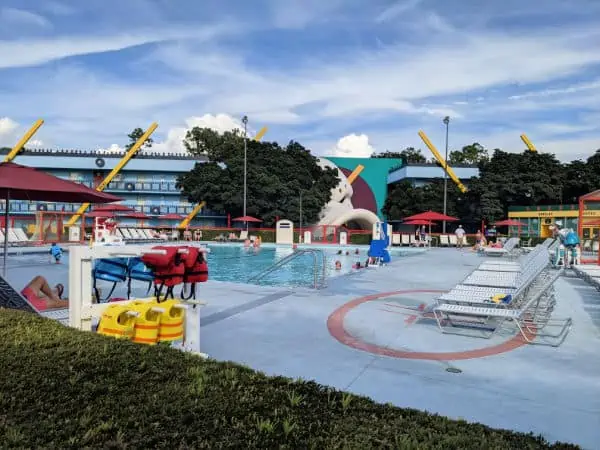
x: 56, y: 253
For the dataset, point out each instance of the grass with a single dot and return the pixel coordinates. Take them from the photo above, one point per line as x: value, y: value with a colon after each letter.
x: 62, y: 388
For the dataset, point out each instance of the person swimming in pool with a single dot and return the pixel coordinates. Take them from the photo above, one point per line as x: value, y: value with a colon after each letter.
x: 56, y: 253
x: 39, y: 293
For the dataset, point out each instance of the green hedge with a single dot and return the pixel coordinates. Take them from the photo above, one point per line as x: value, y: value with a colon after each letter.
x: 62, y: 388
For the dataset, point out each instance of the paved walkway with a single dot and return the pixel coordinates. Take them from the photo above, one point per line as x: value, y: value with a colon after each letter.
x: 364, y: 333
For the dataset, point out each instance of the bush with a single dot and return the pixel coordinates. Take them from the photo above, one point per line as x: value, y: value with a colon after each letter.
x: 62, y: 388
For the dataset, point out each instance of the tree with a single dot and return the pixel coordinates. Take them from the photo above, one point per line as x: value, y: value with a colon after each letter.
x: 134, y: 136
x: 470, y: 154
x: 410, y: 155
x: 505, y: 180
x: 275, y: 177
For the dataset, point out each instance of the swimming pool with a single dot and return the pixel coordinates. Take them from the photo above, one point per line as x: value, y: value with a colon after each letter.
x: 227, y: 262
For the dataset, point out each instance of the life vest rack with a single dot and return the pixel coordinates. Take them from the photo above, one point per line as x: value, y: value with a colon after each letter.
x: 164, y: 267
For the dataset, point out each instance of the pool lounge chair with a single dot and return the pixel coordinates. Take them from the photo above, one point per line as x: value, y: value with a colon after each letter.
x: 531, y: 319
x: 396, y: 239
x: 480, y: 286
x: 444, y: 240
x: 405, y: 239
x: 506, y: 250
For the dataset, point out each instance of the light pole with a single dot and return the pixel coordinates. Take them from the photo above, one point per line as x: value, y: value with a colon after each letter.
x: 446, y: 122
x: 245, y: 122
x: 300, y: 229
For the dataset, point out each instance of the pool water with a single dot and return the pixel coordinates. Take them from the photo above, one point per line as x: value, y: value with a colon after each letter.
x: 227, y: 262
x: 238, y: 264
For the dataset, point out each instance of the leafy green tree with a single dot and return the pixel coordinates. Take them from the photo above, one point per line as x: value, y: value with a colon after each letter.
x: 275, y: 177
x: 409, y: 154
x: 134, y: 136
x: 470, y: 154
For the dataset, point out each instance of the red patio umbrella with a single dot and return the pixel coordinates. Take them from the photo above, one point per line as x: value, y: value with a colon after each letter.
x: 511, y: 223
x: 417, y: 222
x: 246, y: 219
x: 432, y: 216
x: 171, y: 217
x: 114, y: 208
x: 94, y: 214
x: 135, y: 215
x: 25, y: 183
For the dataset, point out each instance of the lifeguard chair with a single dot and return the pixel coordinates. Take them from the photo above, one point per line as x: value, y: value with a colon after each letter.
x: 105, y: 232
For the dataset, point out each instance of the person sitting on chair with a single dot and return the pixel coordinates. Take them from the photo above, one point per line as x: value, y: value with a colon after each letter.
x: 39, y: 293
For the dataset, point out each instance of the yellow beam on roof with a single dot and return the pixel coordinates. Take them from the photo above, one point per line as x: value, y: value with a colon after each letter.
x: 443, y: 162
x: 130, y: 153
x: 528, y: 143
x: 24, y: 140
x: 185, y: 222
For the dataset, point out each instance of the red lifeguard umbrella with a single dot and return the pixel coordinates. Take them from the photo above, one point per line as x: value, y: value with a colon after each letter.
x: 246, y: 219
x: 25, y: 183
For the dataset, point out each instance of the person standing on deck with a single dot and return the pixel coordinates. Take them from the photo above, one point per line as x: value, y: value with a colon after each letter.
x: 460, y: 236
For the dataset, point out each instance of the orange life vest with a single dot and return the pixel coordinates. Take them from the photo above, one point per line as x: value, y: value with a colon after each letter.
x: 168, y: 269
x: 196, y: 270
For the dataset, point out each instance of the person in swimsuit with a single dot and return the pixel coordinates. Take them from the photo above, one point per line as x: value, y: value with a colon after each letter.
x: 39, y: 293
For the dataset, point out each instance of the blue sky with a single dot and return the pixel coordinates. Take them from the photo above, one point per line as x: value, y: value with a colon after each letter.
x: 342, y: 77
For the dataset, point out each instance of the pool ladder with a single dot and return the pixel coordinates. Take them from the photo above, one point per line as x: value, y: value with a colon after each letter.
x: 319, y: 276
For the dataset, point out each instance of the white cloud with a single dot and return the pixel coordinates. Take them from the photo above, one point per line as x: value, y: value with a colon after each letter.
x: 397, y: 9
x: 31, y: 52
x: 21, y: 17
x: 298, y: 14
x: 113, y: 148
x: 7, y: 125
x: 175, y: 136
x: 353, y: 146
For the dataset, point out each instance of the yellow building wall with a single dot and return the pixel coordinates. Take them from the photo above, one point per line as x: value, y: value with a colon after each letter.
x: 552, y: 216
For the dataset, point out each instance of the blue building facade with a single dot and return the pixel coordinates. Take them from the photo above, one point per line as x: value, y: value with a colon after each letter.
x: 148, y: 183
x: 421, y: 174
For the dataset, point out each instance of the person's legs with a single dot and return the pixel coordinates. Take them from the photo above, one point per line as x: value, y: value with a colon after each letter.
x: 39, y: 284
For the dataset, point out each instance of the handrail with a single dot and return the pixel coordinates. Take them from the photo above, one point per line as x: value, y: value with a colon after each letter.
x: 317, y: 284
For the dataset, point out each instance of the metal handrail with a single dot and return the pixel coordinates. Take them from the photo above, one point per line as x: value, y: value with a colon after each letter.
x: 317, y: 284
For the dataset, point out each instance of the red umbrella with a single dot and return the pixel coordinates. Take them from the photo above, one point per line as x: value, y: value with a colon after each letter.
x: 246, y: 219
x: 417, y: 222
x: 94, y: 214
x: 25, y: 183
x: 432, y: 216
x: 136, y: 215
x: 114, y: 208
x: 510, y: 223
x: 171, y: 217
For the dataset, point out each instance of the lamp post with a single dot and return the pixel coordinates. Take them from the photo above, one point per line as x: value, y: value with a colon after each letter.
x: 446, y: 122
x: 245, y: 122
x: 300, y: 229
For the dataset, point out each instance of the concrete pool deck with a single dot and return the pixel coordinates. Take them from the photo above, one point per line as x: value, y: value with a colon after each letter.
x: 364, y: 333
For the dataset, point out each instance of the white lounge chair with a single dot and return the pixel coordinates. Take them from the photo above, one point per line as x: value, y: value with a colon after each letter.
x: 531, y: 319
x: 396, y: 239
x: 453, y: 240
x: 405, y: 239
x: 444, y: 240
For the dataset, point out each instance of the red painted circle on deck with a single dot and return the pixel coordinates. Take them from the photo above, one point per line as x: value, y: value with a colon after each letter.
x: 335, y: 324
